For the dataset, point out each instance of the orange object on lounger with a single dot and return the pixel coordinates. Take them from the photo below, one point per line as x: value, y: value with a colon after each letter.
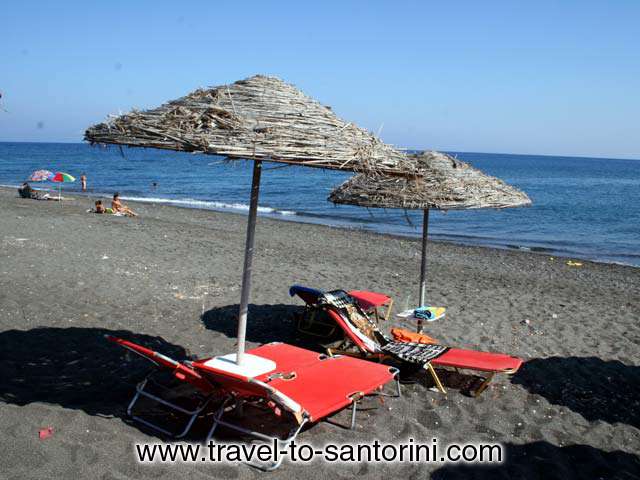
x: 404, y: 335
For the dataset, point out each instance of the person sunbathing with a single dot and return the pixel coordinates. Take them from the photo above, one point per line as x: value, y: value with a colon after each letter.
x: 100, y: 207
x: 117, y: 206
x: 25, y: 191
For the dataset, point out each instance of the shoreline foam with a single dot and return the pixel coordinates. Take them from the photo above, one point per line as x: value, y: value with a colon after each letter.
x: 373, y: 227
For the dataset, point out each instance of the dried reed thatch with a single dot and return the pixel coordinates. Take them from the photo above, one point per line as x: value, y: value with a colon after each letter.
x: 259, y: 118
x: 445, y: 184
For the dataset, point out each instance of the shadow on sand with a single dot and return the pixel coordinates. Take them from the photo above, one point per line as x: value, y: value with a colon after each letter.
x: 595, y: 389
x: 74, y: 367
x: 77, y: 368
x: 543, y: 460
x: 265, y: 324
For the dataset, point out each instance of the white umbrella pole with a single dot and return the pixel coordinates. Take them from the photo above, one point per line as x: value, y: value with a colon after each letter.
x: 423, y: 264
x: 248, y: 259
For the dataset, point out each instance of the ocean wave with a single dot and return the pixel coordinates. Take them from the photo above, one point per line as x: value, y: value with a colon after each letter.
x: 208, y: 205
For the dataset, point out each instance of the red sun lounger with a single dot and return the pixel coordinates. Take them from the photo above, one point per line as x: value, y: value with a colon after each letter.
x: 487, y: 362
x: 308, y: 385
x: 376, y: 344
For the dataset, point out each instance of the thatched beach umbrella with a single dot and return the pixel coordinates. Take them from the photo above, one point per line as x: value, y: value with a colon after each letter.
x: 260, y: 118
x: 445, y: 184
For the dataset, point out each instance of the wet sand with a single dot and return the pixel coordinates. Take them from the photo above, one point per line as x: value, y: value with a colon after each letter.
x: 170, y: 279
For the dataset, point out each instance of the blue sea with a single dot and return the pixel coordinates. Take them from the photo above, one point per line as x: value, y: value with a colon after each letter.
x: 585, y: 208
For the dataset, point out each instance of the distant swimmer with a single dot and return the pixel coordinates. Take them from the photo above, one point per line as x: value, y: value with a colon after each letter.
x: 83, y: 181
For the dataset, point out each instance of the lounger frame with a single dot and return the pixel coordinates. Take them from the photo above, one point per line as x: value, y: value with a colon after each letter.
x: 191, y: 414
x: 232, y: 402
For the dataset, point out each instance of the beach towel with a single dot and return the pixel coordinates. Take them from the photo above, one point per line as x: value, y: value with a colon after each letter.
x: 107, y: 211
x: 415, y: 352
x: 337, y: 298
x: 429, y: 313
x: 403, y: 335
x: 359, y: 322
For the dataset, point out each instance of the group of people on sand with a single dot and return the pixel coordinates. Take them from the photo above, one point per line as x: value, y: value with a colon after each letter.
x: 117, y: 207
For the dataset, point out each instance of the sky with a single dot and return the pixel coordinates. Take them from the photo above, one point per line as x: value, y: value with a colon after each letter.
x: 543, y: 77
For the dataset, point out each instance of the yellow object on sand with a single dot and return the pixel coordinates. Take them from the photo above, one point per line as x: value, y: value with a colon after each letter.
x: 572, y: 263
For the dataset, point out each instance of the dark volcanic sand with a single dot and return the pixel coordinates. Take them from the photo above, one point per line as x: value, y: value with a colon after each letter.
x: 68, y: 277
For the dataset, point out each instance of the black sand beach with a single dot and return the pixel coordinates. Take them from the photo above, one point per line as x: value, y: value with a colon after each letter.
x: 170, y: 279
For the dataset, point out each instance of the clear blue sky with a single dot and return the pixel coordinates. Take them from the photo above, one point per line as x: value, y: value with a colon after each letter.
x: 543, y: 77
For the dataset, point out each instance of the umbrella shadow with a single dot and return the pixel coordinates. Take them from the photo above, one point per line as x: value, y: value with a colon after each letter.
x: 75, y: 368
x: 594, y: 388
x: 543, y: 460
x: 265, y: 324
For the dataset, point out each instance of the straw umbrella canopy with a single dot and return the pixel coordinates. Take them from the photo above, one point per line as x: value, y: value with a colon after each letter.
x: 259, y: 118
x: 445, y: 183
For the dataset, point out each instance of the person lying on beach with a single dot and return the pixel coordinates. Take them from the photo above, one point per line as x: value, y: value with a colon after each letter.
x: 25, y: 191
x: 118, y: 207
x: 100, y: 208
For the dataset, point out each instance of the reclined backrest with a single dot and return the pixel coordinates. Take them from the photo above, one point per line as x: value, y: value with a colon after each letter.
x: 179, y: 370
x: 363, y: 342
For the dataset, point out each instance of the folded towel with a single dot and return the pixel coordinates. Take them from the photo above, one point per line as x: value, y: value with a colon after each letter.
x: 423, y: 312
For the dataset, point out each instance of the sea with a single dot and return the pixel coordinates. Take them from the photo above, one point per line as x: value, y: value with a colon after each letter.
x: 586, y: 208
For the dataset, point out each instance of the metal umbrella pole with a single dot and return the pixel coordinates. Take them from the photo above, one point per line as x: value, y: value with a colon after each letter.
x: 248, y: 260
x: 423, y: 264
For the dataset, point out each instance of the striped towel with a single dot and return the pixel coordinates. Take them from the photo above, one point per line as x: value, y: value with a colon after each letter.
x: 414, y: 352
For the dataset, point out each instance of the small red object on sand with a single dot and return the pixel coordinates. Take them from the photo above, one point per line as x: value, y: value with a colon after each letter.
x: 45, y: 433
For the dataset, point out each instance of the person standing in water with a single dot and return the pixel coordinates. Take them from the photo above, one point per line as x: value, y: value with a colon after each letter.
x: 83, y: 181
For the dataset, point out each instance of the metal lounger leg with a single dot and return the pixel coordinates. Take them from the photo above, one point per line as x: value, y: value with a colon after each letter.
x: 354, y: 409
x: 217, y: 420
x: 435, y: 377
x: 396, y: 377
x: 483, y: 386
x: 193, y: 414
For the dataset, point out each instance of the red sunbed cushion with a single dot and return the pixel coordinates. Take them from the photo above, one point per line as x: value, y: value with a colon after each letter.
x: 369, y: 300
x: 322, y: 384
x: 474, y: 360
x: 325, y: 387
x: 287, y: 357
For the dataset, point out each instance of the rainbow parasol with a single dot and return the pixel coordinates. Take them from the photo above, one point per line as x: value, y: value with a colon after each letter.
x: 61, y: 177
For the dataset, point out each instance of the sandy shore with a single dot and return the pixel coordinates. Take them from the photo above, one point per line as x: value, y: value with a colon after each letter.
x: 171, y: 279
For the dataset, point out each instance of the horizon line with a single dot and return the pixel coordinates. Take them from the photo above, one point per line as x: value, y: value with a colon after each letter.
x: 598, y: 157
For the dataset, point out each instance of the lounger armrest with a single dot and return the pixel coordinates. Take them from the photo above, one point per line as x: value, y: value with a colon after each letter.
x: 290, y: 405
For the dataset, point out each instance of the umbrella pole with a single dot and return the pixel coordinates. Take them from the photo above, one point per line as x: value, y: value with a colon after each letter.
x: 423, y: 264
x: 248, y: 260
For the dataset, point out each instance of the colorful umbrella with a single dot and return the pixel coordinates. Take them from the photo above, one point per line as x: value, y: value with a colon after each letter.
x: 41, y: 176
x: 61, y: 177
